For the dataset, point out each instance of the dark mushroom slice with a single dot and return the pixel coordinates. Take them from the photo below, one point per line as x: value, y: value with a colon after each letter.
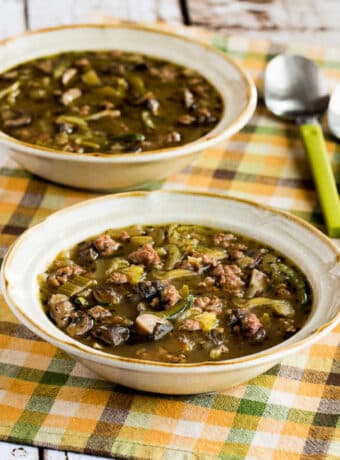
x: 80, y: 324
x: 257, y: 283
x: 87, y: 255
x: 60, y: 309
x: 111, y: 335
x: 150, y: 289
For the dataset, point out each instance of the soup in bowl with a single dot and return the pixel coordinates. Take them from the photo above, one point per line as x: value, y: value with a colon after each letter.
x: 108, y: 107
x: 174, y: 292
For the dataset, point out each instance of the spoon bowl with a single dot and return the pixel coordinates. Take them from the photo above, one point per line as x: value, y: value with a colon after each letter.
x: 295, y: 89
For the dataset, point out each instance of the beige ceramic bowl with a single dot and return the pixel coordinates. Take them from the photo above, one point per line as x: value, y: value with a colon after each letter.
x: 37, y: 247
x: 122, y: 171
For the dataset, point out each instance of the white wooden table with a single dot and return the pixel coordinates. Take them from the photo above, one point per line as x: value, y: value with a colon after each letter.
x: 310, y: 21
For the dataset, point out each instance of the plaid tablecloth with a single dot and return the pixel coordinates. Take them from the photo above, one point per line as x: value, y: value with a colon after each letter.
x: 290, y: 412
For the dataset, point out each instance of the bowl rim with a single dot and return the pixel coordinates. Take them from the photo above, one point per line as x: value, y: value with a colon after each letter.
x: 201, y: 143
x: 85, y: 352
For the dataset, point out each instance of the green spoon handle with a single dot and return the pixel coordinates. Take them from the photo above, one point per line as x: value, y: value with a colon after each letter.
x: 323, y: 176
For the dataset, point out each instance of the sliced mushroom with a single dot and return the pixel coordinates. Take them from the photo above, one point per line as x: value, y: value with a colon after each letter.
x: 68, y: 75
x: 257, y: 283
x: 80, y: 325
x: 24, y: 120
x: 60, y: 309
x: 69, y: 96
x: 217, y: 335
x: 150, y: 289
x: 259, y: 336
x: 112, y: 335
x: 87, y: 255
x: 152, y: 326
x: 153, y: 105
x: 161, y: 330
x: 188, y: 98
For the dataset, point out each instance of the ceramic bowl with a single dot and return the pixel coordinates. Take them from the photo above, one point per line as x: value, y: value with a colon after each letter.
x: 123, y: 171
x: 36, y: 248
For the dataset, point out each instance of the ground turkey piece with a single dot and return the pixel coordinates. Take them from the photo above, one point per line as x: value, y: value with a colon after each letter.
x: 62, y: 274
x: 205, y: 259
x: 165, y: 73
x: 118, y: 278
x: 106, y: 295
x: 282, y: 292
x: 105, y: 245
x: 235, y: 254
x: 190, y: 325
x: 207, y: 282
x: 99, y: 312
x: 287, y: 326
x: 214, y: 304
x: 124, y: 236
x: 208, y: 259
x: 247, y: 323
x: 145, y: 255
x: 201, y: 302
x: 228, y: 276
x: 223, y: 240
x: 170, y: 296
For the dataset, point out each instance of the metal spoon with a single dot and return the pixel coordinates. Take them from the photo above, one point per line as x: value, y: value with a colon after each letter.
x: 334, y: 112
x: 295, y: 89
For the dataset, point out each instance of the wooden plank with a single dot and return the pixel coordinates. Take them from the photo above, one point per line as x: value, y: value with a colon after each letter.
x: 313, y: 21
x: 18, y: 452
x: 44, y: 14
x: 12, y: 17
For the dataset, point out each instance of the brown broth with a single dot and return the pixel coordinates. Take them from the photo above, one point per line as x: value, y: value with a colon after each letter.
x: 221, y: 295
x: 106, y: 102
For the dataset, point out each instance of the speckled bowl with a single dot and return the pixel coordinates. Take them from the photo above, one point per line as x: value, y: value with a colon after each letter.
x: 36, y: 248
x: 124, y: 171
